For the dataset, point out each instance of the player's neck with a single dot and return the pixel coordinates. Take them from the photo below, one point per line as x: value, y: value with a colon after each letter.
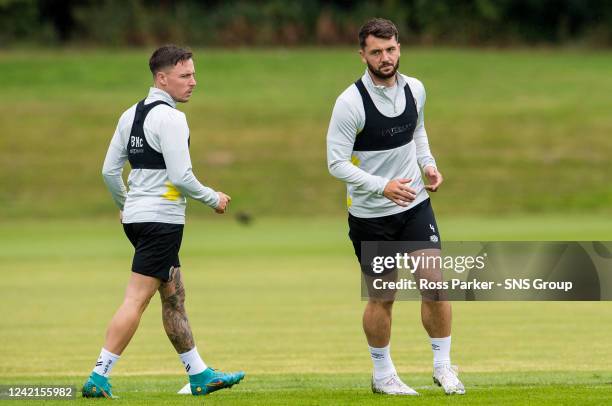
x: 165, y: 90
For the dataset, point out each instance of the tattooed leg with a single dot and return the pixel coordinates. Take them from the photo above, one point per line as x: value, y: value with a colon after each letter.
x: 175, y: 320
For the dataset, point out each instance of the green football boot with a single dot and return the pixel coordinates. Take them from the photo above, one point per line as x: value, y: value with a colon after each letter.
x: 211, y: 380
x: 97, y: 386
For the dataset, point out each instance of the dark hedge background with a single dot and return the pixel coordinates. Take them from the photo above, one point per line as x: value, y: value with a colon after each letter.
x: 301, y: 22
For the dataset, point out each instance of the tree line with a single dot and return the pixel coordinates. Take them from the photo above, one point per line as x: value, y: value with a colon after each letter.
x: 303, y: 22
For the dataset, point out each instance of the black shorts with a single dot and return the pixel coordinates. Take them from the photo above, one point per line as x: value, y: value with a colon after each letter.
x: 156, y: 248
x: 415, y: 224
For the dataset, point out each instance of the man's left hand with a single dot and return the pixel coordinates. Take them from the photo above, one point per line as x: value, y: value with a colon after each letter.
x: 433, y: 177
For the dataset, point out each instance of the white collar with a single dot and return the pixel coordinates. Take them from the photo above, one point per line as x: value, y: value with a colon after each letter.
x: 159, y: 94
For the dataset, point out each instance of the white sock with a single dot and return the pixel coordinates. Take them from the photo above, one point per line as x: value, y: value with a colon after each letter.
x: 441, y: 350
x: 381, y: 358
x: 105, y: 363
x: 193, y: 362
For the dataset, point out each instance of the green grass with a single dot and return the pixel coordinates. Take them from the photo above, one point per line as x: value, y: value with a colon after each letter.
x: 541, y: 388
x: 281, y: 300
x: 513, y: 131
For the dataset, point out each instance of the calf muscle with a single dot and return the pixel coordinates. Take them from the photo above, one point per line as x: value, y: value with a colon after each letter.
x: 174, y: 316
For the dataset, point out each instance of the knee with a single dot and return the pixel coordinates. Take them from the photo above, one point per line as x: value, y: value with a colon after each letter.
x: 138, y: 303
x: 175, y: 301
x: 379, y: 304
x: 436, y: 305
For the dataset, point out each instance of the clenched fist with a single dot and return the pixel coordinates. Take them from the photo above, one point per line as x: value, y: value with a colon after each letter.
x: 224, y: 201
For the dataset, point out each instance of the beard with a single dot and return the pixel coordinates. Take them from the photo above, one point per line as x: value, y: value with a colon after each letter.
x: 381, y: 75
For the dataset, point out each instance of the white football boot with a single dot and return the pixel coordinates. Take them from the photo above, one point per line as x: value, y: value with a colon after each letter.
x: 447, y: 377
x: 392, y: 385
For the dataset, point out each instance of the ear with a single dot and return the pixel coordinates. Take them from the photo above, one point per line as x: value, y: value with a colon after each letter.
x: 161, y: 78
x: 362, y: 55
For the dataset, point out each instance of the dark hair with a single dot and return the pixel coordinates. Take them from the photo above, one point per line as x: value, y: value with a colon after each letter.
x: 378, y: 27
x: 168, y: 55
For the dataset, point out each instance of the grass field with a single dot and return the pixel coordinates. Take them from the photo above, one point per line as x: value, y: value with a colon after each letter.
x: 512, y: 130
x: 281, y: 300
x: 522, y: 136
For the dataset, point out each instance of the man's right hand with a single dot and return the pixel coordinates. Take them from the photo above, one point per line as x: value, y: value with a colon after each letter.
x: 223, y: 203
x: 399, y: 192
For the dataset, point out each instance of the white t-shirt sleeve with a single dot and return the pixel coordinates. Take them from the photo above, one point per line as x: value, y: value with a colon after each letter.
x: 423, y: 153
x: 343, y: 128
x: 116, y: 156
x: 173, y: 138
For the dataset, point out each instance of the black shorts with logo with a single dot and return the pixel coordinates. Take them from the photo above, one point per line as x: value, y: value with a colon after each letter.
x: 156, y: 248
x: 416, y: 224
